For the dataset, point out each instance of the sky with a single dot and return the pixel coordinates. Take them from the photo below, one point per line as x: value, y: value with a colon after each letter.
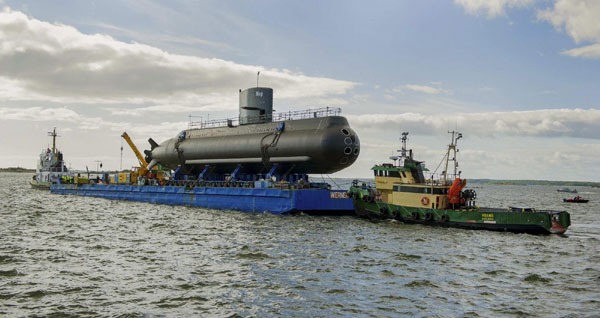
x: 520, y: 79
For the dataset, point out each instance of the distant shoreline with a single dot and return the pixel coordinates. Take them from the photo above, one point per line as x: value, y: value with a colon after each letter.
x: 537, y: 182
x: 482, y: 181
x: 523, y: 182
x: 17, y: 169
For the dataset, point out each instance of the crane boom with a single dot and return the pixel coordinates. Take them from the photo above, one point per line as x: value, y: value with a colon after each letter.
x: 143, y: 163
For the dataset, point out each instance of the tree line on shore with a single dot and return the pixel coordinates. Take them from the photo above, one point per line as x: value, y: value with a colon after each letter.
x: 16, y: 169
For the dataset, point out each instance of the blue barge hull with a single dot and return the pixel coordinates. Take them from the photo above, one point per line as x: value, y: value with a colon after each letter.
x: 273, y: 200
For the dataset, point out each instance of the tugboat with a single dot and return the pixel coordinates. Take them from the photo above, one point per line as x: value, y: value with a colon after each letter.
x: 403, y: 193
x: 50, y: 167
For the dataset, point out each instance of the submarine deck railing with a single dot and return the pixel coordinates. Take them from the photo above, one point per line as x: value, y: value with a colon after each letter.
x: 275, y: 117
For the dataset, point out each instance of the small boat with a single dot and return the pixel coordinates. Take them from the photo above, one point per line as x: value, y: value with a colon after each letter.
x: 404, y: 193
x: 576, y: 199
x: 567, y: 190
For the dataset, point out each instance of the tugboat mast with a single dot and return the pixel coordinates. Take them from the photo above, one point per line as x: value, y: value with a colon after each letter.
x: 452, y: 147
x: 54, y: 135
x: 404, y: 138
x: 402, y: 151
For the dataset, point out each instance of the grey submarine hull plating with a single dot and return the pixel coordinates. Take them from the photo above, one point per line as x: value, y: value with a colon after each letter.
x: 314, y: 145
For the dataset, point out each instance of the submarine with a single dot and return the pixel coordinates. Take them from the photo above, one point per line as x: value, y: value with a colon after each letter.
x: 314, y: 141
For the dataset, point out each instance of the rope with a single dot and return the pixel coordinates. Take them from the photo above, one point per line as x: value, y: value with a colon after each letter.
x: 264, y: 149
x: 337, y: 185
x: 328, y: 176
x: 439, y: 164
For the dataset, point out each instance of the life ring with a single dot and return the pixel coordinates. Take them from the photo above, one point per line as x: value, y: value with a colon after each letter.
x: 425, y: 201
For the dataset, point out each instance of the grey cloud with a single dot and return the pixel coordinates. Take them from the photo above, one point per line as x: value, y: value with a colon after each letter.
x: 581, y: 123
x: 60, y: 63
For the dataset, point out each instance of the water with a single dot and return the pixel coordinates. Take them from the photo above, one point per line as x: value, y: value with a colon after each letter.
x: 69, y: 256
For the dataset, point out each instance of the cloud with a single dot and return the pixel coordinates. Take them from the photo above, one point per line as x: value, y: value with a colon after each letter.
x: 55, y: 62
x: 425, y: 89
x: 39, y: 114
x: 162, y: 109
x: 580, y: 19
x: 582, y: 123
x: 161, y: 130
x: 167, y: 38
x: 493, y: 8
x: 588, y: 51
x: 208, y: 102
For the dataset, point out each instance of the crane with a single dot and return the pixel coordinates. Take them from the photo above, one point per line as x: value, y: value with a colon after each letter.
x: 143, y: 164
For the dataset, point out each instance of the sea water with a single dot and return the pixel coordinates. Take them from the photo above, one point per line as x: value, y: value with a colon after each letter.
x: 71, y: 256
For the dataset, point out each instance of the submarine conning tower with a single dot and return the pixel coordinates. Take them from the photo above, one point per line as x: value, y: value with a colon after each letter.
x: 256, y: 105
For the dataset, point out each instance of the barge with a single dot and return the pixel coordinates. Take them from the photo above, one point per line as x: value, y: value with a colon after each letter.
x: 257, y: 162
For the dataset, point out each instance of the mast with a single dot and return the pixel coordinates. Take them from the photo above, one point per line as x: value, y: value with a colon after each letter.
x: 452, y: 148
x: 402, y: 151
x: 404, y: 138
x: 54, y: 135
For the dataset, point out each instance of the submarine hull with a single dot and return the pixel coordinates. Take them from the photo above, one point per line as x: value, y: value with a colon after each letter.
x: 314, y: 145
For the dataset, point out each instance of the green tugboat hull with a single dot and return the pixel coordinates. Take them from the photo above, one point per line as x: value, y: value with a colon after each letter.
x: 539, y: 222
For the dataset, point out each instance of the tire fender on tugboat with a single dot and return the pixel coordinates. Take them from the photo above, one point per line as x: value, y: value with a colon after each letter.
x: 383, y: 210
